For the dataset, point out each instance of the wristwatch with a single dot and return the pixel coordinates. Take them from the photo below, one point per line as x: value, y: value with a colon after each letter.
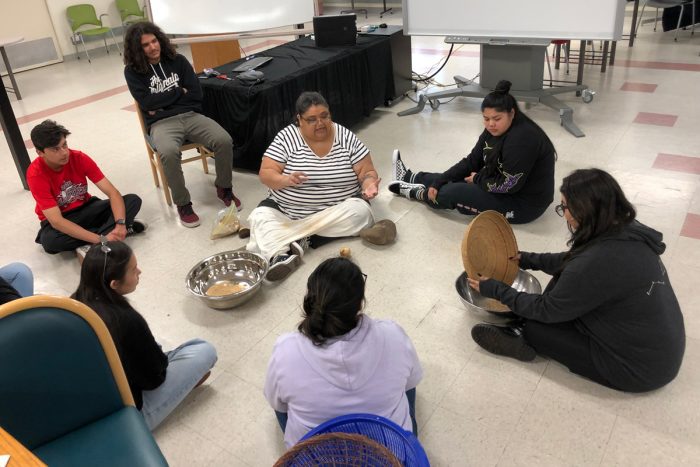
x: 121, y: 221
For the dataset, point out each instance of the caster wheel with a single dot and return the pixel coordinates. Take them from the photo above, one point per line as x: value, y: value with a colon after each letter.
x: 434, y: 104
x: 587, y: 96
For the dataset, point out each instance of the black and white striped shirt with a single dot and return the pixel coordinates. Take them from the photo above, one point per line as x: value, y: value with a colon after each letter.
x: 331, y: 178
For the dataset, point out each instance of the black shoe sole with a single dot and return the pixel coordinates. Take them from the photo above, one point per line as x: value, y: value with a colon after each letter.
x: 498, y: 341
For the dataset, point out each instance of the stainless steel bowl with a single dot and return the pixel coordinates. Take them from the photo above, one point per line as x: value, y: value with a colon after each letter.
x: 475, y: 302
x: 230, y: 267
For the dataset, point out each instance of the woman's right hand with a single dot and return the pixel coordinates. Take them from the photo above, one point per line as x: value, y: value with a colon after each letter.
x: 515, y: 258
x: 296, y: 178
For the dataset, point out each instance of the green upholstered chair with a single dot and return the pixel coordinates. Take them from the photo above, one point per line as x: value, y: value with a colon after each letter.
x: 85, y: 23
x: 130, y: 12
x: 63, y: 391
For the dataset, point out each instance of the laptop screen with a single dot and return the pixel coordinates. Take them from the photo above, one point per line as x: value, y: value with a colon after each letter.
x: 335, y: 30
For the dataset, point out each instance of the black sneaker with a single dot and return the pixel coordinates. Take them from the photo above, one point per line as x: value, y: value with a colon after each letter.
x: 503, y: 340
x: 136, y: 227
x: 407, y: 190
x: 399, y: 170
x: 281, y: 266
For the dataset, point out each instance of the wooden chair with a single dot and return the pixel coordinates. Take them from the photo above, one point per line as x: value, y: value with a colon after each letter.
x: 157, y: 165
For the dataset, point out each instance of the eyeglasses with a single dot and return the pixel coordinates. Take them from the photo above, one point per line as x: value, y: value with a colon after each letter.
x: 560, y: 208
x: 364, y: 276
x: 314, y: 120
x: 104, y: 248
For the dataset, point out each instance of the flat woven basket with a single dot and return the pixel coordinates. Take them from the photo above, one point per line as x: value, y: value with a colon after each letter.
x: 339, y: 450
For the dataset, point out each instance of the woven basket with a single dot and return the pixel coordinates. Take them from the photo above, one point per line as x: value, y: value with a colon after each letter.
x: 339, y: 450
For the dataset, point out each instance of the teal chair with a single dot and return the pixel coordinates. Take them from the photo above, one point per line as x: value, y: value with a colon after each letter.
x: 63, y: 391
x: 85, y: 23
x: 130, y: 12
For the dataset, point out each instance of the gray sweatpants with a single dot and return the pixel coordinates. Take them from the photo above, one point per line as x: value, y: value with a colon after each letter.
x: 170, y: 133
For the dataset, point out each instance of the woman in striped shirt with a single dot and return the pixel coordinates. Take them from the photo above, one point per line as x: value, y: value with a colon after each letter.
x: 320, y: 177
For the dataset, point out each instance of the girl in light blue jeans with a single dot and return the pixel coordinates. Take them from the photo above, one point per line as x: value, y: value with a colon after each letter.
x: 20, y: 277
x: 159, y: 380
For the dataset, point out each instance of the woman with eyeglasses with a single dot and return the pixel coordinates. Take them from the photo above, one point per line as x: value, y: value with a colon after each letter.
x: 609, y: 313
x: 320, y: 178
x: 341, y: 361
x: 159, y: 380
x: 509, y: 170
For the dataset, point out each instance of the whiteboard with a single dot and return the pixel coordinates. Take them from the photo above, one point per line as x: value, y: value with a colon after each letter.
x: 533, y: 19
x: 222, y: 16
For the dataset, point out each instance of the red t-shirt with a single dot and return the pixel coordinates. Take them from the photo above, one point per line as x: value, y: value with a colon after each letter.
x: 66, y: 188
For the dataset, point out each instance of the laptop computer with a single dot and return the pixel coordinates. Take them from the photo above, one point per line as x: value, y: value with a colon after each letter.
x: 335, y: 30
x: 251, y: 64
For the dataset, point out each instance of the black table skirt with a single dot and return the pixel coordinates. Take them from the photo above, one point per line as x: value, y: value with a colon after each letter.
x: 354, y: 80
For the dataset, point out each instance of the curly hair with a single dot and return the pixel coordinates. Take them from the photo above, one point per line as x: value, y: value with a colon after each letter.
x: 134, y: 57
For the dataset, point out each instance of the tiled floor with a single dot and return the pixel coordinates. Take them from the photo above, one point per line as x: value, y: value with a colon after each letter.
x: 473, y: 408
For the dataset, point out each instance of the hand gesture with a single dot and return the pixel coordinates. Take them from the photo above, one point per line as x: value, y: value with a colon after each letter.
x: 370, y: 189
x: 296, y: 178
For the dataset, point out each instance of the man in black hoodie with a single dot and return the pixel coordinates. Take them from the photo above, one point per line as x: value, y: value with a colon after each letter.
x: 169, y: 96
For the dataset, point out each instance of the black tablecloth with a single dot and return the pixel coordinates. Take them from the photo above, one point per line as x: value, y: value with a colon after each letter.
x: 354, y: 80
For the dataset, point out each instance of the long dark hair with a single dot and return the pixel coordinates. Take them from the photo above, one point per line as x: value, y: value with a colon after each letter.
x: 334, y: 298
x: 596, y: 201
x: 96, y: 273
x: 134, y: 56
x: 501, y: 100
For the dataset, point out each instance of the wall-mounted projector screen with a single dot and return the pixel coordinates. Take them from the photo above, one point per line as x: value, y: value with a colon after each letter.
x: 523, y: 19
x: 223, y: 16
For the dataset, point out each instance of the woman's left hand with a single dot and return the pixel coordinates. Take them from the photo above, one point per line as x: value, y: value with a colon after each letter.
x: 370, y: 189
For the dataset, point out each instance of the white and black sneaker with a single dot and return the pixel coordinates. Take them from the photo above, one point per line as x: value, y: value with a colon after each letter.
x: 81, y: 251
x: 407, y: 190
x: 281, y: 266
x: 399, y: 170
x: 503, y: 340
x: 301, y: 246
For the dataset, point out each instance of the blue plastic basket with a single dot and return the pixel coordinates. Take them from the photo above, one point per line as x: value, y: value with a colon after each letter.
x: 402, y: 443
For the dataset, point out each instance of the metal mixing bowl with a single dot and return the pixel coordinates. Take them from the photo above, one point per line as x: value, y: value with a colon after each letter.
x: 229, y: 267
x: 473, y: 301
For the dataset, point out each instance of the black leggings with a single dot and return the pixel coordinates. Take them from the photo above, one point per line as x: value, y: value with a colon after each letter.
x: 565, y: 344
x: 471, y: 199
x: 95, y: 216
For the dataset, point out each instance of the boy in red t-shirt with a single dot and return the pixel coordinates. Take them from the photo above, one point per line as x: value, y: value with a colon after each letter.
x: 70, y: 217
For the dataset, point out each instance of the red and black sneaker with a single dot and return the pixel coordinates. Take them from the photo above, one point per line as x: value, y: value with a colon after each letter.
x: 226, y: 195
x: 187, y: 216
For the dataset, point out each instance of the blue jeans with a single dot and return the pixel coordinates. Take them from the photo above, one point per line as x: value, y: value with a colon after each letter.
x: 19, y: 276
x: 187, y: 364
x: 410, y: 395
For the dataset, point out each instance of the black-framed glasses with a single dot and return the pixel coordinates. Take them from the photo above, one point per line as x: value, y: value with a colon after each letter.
x: 560, y: 208
x: 104, y: 248
x: 314, y: 120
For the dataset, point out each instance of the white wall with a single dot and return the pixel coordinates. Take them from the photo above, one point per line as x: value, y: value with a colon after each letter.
x: 57, y: 11
x: 29, y: 19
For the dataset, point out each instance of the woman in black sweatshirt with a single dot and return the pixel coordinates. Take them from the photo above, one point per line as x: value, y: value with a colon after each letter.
x: 159, y: 380
x: 609, y: 313
x: 510, y: 169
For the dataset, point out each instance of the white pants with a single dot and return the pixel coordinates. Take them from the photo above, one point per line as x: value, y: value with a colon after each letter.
x: 271, y: 231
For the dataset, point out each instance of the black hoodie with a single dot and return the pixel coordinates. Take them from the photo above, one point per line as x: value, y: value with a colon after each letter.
x: 160, y: 91
x: 617, y: 292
